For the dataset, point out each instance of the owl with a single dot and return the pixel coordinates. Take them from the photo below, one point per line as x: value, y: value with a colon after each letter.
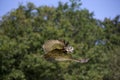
x: 59, y: 50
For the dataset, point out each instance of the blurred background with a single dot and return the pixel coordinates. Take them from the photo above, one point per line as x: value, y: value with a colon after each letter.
x: 101, y: 8
x: 92, y: 27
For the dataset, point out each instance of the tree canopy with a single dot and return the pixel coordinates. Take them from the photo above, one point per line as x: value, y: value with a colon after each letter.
x: 24, y: 30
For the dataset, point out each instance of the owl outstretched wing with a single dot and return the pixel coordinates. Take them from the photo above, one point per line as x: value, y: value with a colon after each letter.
x: 50, y: 45
x: 59, y: 55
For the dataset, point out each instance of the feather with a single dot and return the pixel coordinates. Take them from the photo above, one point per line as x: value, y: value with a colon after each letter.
x: 52, y: 45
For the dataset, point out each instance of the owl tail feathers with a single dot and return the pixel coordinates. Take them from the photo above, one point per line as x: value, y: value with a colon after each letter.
x: 81, y: 60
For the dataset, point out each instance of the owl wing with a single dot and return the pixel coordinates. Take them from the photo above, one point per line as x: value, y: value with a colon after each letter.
x: 57, y: 55
x: 52, y: 45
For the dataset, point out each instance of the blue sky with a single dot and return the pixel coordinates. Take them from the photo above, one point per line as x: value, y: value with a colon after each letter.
x: 101, y: 8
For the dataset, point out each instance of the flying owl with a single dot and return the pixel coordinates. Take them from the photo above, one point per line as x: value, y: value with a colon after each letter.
x: 59, y: 50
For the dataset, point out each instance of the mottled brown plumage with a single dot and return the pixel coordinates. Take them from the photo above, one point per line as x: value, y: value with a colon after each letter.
x: 52, y: 45
x: 58, y: 50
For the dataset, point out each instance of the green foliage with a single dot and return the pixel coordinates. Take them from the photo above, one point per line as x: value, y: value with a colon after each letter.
x: 24, y: 30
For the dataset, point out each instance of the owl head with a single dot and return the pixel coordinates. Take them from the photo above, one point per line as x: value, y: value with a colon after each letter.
x: 69, y: 49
